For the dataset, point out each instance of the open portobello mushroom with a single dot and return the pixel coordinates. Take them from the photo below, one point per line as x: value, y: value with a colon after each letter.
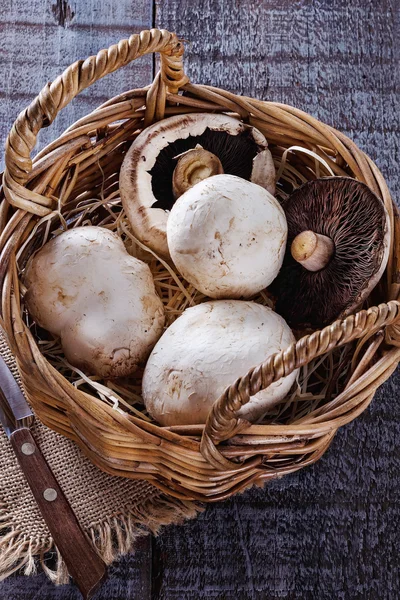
x: 337, y: 250
x: 172, y: 155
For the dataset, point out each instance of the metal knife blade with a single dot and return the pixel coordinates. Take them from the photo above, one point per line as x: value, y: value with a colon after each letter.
x: 14, y: 409
x: 9, y: 424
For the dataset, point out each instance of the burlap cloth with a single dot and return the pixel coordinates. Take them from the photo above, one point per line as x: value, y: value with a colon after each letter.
x: 113, y: 511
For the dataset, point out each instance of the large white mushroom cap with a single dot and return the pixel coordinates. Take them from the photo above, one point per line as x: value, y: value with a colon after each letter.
x: 84, y: 287
x: 205, y: 350
x: 227, y: 237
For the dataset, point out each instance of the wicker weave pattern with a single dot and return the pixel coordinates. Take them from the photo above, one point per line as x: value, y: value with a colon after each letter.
x: 186, y: 462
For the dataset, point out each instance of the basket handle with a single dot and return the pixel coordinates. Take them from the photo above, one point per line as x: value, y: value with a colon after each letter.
x: 223, y: 422
x: 78, y: 76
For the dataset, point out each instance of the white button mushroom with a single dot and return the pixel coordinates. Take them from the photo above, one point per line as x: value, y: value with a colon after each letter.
x: 227, y: 237
x: 206, y: 349
x: 84, y: 287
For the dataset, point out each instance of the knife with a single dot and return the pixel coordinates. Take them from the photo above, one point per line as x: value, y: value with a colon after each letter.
x: 84, y: 564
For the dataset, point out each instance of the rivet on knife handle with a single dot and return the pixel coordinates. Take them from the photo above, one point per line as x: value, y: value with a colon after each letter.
x: 83, y: 563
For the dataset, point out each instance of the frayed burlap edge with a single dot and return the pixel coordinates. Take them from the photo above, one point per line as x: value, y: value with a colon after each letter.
x: 113, y: 537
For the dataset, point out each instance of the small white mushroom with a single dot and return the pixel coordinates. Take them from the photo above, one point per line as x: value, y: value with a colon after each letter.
x: 152, y: 176
x: 205, y: 350
x: 227, y: 237
x: 85, y: 288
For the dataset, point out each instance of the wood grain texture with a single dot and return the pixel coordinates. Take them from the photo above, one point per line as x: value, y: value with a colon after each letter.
x: 40, y: 38
x: 330, y: 531
x: 128, y: 580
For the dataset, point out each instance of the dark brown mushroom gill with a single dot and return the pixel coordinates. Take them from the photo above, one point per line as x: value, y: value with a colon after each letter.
x: 354, y: 218
x: 236, y: 153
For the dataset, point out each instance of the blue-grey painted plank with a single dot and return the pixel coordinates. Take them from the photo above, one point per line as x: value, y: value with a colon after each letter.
x: 330, y: 531
x: 40, y: 38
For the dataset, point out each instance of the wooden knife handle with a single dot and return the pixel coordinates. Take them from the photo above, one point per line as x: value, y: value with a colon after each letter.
x: 84, y: 564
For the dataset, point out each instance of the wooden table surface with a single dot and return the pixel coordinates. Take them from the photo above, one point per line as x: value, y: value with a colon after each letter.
x: 330, y: 531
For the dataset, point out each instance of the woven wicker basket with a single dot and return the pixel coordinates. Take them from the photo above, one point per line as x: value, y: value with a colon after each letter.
x: 227, y: 455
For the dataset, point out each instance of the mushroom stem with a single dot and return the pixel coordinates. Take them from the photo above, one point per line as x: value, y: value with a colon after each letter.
x: 193, y: 166
x: 312, y: 250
